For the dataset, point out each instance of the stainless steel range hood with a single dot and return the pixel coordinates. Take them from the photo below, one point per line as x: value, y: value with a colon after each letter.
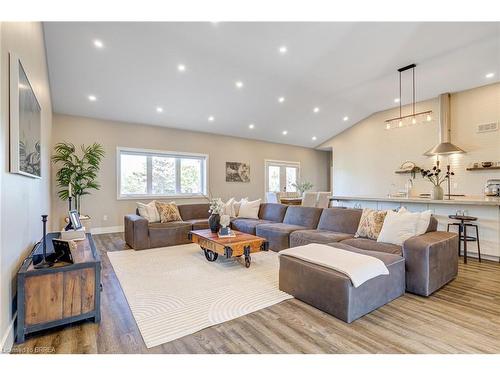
x: 444, y: 147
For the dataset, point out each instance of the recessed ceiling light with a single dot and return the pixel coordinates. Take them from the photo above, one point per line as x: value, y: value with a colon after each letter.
x: 284, y: 132
x: 92, y: 98
x: 316, y: 109
x: 98, y: 43
x: 159, y: 109
x: 251, y: 126
x: 281, y: 99
x: 283, y: 50
x: 314, y: 138
x: 211, y: 118
x: 181, y: 68
x: 397, y: 100
x: 490, y: 75
x: 238, y: 84
x: 345, y: 118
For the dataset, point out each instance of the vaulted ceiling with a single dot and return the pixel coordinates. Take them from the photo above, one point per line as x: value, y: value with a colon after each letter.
x: 236, y: 72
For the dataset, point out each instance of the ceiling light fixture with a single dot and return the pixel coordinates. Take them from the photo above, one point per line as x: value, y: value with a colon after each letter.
x: 314, y: 138
x: 251, y: 126
x: 283, y: 50
x: 397, y: 100
x: 159, y: 109
x: 211, y: 118
x: 284, y: 132
x: 490, y: 75
x: 281, y: 99
x: 181, y: 68
x: 92, y: 98
x: 238, y: 84
x: 98, y: 43
x: 316, y: 109
x: 345, y: 118
x: 413, y: 118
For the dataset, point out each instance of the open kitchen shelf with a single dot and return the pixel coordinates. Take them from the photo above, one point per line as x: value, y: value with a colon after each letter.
x: 481, y: 168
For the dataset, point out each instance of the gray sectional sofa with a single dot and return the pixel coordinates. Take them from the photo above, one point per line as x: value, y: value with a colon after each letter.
x: 431, y: 260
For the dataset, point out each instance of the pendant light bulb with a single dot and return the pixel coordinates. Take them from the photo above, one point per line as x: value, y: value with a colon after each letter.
x: 413, y: 120
x: 400, y: 123
x: 429, y: 118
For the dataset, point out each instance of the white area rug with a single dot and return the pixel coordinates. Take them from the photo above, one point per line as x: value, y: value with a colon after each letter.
x: 174, y: 291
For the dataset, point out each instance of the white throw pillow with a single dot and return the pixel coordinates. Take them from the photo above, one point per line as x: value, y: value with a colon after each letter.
x: 249, y: 210
x: 398, y: 227
x: 229, y: 208
x: 423, y: 222
x: 237, y: 205
x: 149, y: 211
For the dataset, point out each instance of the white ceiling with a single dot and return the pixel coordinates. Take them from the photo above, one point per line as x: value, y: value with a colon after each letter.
x: 345, y: 69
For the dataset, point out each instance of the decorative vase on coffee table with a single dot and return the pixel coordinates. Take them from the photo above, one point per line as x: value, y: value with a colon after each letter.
x: 437, y: 193
x: 214, y: 222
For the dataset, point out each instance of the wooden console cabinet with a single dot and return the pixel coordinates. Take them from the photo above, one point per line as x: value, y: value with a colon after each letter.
x: 62, y: 294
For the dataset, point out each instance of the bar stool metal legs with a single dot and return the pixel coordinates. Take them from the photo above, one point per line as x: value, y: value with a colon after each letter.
x: 462, y: 234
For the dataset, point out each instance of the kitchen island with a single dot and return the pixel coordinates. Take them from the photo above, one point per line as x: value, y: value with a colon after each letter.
x: 486, y: 209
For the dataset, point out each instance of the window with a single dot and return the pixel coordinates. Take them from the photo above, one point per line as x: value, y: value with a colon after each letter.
x: 281, y: 175
x: 150, y: 174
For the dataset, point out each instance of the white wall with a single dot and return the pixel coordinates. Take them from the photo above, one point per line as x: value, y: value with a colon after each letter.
x: 366, y: 155
x: 80, y: 130
x: 22, y: 199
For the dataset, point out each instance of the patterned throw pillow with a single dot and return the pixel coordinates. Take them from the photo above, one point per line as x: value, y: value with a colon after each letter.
x: 370, y: 224
x: 168, y: 212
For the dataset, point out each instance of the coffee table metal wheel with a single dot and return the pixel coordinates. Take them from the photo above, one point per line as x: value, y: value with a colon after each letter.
x: 248, y: 259
x: 210, y: 255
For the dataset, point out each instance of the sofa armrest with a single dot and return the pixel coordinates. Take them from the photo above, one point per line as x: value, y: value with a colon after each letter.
x: 431, y: 261
x: 136, y: 232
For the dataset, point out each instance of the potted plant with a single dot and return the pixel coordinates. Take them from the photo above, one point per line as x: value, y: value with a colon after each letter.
x: 302, y: 186
x: 216, y: 209
x: 435, y: 177
x: 78, y: 172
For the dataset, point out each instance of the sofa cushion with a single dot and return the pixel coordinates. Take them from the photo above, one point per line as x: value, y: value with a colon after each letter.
x: 194, y: 211
x: 343, y: 220
x: 169, y: 234
x: 367, y: 244
x: 247, y: 225
x: 370, y: 223
x: 278, y: 234
x: 306, y: 217
x: 304, y: 237
x: 168, y: 212
x: 272, y: 212
x: 198, y: 223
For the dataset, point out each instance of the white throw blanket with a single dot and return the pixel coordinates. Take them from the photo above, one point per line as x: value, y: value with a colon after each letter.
x: 358, y: 267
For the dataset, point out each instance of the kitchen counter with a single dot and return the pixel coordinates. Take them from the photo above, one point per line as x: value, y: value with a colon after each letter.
x: 468, y: 200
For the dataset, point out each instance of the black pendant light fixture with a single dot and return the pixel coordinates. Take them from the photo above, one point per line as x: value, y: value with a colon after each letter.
x: 413, y: 118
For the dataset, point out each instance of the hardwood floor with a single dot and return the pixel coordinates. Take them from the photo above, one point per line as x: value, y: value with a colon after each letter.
x: 462, y: 317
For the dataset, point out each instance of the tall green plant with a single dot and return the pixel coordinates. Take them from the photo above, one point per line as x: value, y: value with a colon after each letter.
x: 78, y: 170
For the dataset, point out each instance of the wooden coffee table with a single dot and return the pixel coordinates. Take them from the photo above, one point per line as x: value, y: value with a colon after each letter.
x: 241, y: 244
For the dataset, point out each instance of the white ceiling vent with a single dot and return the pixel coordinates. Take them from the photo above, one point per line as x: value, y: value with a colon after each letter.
x: 486, y: 128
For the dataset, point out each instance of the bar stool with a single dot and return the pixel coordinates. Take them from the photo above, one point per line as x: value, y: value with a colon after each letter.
x: 462, y: 233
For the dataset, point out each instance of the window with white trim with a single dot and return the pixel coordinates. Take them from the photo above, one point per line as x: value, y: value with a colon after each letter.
x: 154, y: 174
x: 281, y: 175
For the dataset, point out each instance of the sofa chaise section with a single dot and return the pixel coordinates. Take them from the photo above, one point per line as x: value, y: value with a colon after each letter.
x: 296, y: 218
x: 335, y: 225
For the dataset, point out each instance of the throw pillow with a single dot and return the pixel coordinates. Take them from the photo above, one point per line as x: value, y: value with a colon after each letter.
x: 398, y: 227
x: 249, y: 210
x: 237, y: 205
x: 149, y: 211
x: 229, y: 208
x: 370, y: 223
x: 168, y: 212
x: 423, y: 222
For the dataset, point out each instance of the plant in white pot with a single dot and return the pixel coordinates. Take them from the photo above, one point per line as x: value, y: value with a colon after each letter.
x: 436, y: 178
x: 78, y: 172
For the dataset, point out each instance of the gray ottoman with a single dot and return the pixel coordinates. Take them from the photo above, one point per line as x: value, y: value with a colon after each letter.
x: 333, y: 292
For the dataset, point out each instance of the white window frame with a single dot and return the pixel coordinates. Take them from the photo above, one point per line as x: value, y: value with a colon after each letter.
x: 174, y: 154
x: 280, y: 163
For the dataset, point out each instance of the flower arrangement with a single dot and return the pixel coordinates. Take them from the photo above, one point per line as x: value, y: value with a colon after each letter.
x: 434, y: 174
x: 216, y: 206
x: 302, y: 186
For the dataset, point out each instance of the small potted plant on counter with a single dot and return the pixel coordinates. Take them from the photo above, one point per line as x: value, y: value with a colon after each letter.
x: 436, y: 178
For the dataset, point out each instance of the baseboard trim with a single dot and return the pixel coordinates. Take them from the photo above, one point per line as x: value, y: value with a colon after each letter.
x: 8, y: 338
x: 104, y: 230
